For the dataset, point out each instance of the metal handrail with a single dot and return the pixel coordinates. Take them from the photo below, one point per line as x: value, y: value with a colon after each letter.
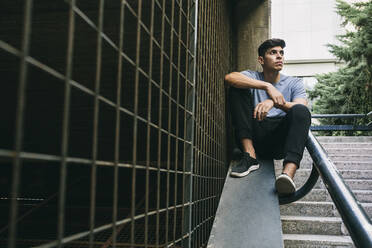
x: 352, y: 213
x: 319, y: 116
x: 367, y: 127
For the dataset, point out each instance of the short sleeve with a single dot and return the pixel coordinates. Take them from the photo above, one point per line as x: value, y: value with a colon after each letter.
x: 250, y: 74
x: 298, y: 90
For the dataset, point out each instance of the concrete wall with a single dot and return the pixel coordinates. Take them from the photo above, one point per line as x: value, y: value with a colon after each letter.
x: 252, y: 23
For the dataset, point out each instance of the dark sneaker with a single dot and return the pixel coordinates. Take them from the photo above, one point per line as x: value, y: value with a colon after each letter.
x: 284, y: 184
x: 246, y: 165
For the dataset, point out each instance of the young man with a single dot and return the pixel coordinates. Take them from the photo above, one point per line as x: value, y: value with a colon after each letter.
x: 269, y: 115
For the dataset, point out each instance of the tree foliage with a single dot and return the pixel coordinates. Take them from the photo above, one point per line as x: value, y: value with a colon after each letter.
x: 348, y: 90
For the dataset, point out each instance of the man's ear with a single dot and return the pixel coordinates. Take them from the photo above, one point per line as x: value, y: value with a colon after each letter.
x: 260, y: 60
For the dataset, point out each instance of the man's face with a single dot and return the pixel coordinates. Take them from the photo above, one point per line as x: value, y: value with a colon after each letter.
x: 273, y: 59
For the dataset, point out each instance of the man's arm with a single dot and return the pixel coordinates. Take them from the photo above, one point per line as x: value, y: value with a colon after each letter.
x: 285, y: 107
x: 262, y: 109
x: 239, y: 80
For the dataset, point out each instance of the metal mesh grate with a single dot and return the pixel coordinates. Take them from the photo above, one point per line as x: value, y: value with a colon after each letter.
x: 214, y: 60
x: 113, y: 130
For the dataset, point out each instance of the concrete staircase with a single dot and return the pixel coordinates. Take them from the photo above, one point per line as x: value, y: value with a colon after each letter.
x: 314, y: 220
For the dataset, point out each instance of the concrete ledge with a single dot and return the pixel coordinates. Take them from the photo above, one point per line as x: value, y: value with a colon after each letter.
x: 248, y: 212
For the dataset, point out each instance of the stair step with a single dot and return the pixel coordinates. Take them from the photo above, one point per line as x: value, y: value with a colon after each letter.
x: 343, y: 157
x: 303, y: 174
x: 364, y: 196
x: 306, y: 208
x: 359, y: 184
x: 342, y: 165
x: 356, y: 179
x: 347, y: 145
x: 349, y: 151
x: 317, y: 241
x: 320, y: 209
x: 317, y: 195
x: 312, y: 225
x: 361, y: 165
x: 354, y: 184
x: 342, y: 139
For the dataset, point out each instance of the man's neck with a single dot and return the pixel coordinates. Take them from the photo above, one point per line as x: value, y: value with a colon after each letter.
x: 271, y: 76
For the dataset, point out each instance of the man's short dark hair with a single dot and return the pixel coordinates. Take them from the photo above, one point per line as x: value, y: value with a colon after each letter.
x: 267, y: 44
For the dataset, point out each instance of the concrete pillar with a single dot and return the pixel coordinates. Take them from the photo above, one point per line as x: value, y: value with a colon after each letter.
x: 252, y: 23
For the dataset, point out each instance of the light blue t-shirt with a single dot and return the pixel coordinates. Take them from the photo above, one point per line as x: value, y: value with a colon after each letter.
x: 290, y: 87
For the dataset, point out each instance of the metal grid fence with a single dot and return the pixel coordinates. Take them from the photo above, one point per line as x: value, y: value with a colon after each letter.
x: 214, y: 60
x: 113, y: 121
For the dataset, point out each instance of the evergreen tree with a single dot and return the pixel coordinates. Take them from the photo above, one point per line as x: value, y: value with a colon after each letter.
x: 348, y: 90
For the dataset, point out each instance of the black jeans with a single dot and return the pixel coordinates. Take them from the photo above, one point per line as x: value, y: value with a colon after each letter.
x: 277, y: 137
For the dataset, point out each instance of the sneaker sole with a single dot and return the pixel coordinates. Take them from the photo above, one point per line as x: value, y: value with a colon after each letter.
x: 285, y: 185
x: 243, y: 174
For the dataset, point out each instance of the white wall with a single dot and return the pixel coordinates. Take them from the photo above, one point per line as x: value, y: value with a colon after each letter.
x: 306, y: 26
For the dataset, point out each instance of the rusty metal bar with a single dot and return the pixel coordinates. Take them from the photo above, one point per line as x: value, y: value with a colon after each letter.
x: 190, y: 126
x: 65, y: 127
x: 169, y: 119
x: 17, y: 163
x: 148, y: 157
x: 135, y: 124
x: 161, y: 76
x: 95, y: 127
x: 177, y: 118
x: 26, y: 156
x: 184, y: 176
x: 117, y: 131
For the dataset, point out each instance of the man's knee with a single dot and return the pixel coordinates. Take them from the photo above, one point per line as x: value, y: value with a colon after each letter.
x: 234, y: 94
x: 300, y: 111
x: 240, y: 97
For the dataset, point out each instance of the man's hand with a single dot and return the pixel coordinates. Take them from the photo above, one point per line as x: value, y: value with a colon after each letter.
x: 275, y: 95
x: 261, y: 110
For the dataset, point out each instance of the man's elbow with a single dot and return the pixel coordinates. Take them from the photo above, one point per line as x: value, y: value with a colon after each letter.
x: 229, y: 78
